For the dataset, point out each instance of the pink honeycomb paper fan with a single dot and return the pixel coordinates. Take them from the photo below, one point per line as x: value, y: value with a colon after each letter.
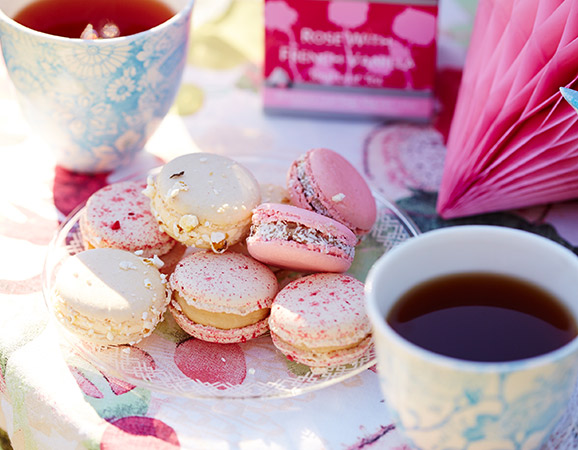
x: 513, y: 134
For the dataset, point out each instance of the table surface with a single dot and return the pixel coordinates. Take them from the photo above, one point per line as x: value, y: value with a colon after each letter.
x: 51, y: 398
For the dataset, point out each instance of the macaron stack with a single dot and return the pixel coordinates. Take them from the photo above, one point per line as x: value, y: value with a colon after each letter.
x: 232, y: 235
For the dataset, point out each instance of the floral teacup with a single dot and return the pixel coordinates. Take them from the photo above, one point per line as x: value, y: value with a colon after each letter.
x: 95, y: 102
x: 445, y: 403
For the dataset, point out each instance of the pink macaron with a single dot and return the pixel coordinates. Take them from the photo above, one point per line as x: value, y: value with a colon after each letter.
x: 325, y: 182
x: 320, y: 320
x: 294, y: 238
x: 119, y: 216
x: 222, y: 298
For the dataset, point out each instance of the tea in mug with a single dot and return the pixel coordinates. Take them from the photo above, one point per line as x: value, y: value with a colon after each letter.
x: 482, y: 317
x: 72, y: 18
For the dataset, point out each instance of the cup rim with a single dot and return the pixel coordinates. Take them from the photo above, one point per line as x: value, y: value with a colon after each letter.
x: 182, y: 12
x: 415, y: 350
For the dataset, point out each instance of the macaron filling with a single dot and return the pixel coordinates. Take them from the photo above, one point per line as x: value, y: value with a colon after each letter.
x: 308, y: 190
x: 323, y: 357
x: 221, y: 320
x: 292, y: 231
x: 325, y: 349
x: 213, y: 334
x: 117, y: 332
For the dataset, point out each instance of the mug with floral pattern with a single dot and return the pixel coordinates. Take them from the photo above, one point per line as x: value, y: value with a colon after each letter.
x: 445, y: 403
x: 95, y: 102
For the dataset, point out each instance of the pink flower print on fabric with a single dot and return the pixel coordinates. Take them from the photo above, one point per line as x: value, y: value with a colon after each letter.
x: 87, y: 387
x: 3, y: 389
x: 209, y: 362
x: 348, y: 14
x: 139, y: 432
x: 118, y: 386
x: 416, y: 27
x: 279, y: 16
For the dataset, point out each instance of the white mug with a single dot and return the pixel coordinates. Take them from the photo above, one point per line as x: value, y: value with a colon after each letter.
x: 95, y: 102
x: 444, y: 403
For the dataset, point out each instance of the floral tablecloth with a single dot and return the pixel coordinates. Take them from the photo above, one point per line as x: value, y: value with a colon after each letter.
x: 51, y: 398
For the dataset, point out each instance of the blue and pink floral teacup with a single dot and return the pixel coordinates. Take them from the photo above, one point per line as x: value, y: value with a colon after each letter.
x: 95, y: 102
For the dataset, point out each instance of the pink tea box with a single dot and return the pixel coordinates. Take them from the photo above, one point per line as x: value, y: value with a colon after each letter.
x: 350, y: 58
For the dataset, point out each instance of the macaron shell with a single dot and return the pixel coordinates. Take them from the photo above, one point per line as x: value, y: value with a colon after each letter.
x: 230, y: 282
x: 337, y: 185
x: 299, y: 257
x: 119, y: 216
x: 220, y: 189
x: 321, y: 310
x: 212, y: 334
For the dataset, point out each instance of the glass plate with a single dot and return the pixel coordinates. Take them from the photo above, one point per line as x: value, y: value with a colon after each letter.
x: 171, y: 362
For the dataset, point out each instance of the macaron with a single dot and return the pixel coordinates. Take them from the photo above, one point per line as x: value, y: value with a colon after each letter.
x: 320, y: 320
x: 294, y: 238
x: 109, y: 296
x: 222, y: 298
x: 274, y: 193
x: 323, y: 181
x: 119, y: 216
x: 204, y: 200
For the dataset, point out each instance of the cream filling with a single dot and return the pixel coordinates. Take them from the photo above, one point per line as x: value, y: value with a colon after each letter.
x: 290, y: 231
x: 107, y: 330
x: 309, y: 191
x: 326, y: 349
x: 224, y: 321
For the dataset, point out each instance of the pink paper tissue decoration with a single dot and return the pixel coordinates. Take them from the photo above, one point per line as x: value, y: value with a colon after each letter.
x: 513, y: 140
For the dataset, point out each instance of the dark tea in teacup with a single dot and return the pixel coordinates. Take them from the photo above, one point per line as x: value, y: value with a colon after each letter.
x: 94, y: 18
x: 480, y: 316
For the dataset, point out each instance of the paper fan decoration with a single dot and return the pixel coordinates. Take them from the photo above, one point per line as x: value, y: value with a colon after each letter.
x: 513, y: 140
